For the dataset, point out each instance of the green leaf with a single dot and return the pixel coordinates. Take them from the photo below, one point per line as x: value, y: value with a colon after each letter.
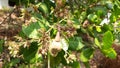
x: 30, y: 54
x: 42, y: 20
x: 75, y: 43
x: 31, y: 30
x: 107, y: 40
x: 75, y: 64
x: 117, y: 3
x: 43, y: 8
x: 110, y: 52
x: 87, y: 64
x: 98, y: 28
x: 76, y: 23
x: 116, y: 8
x: 86, y: 54
x: 113, y: 18
x: 14, y: 61
x: 106, y: 28
x: 97, y: 42
x: 92, y: 17
x: 21, y: 34
x: 100, y: 10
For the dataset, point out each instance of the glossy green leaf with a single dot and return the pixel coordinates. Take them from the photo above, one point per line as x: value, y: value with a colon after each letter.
x: 107, y: 40
x: 75, y: 43
x: 110, y: 52
x: 86, y: 54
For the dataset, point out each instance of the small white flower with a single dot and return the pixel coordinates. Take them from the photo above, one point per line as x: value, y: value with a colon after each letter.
x: 106, y: 20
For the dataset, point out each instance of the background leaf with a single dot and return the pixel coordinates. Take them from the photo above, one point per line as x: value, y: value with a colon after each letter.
x: 30, y: 53
x: 75, y: 64
x: 75, y: 43
x: 86, y: 54
x: 43, y: 8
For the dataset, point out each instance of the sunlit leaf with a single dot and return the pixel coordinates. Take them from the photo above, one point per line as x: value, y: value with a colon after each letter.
x: 31, y: 31
x: 107, y: 40
x: 98, y: 28
x: 97, y: 42
x: 110, y: 52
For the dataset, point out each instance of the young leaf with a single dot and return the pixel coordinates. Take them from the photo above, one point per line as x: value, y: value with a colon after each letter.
x: 110, y: 52
x: 97, y: 42
x: 86, y: 54
x: 98, y: 28
x: 107, y: 40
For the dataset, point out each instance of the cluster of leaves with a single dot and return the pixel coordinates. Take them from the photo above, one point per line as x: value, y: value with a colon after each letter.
x: 92, y: 25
